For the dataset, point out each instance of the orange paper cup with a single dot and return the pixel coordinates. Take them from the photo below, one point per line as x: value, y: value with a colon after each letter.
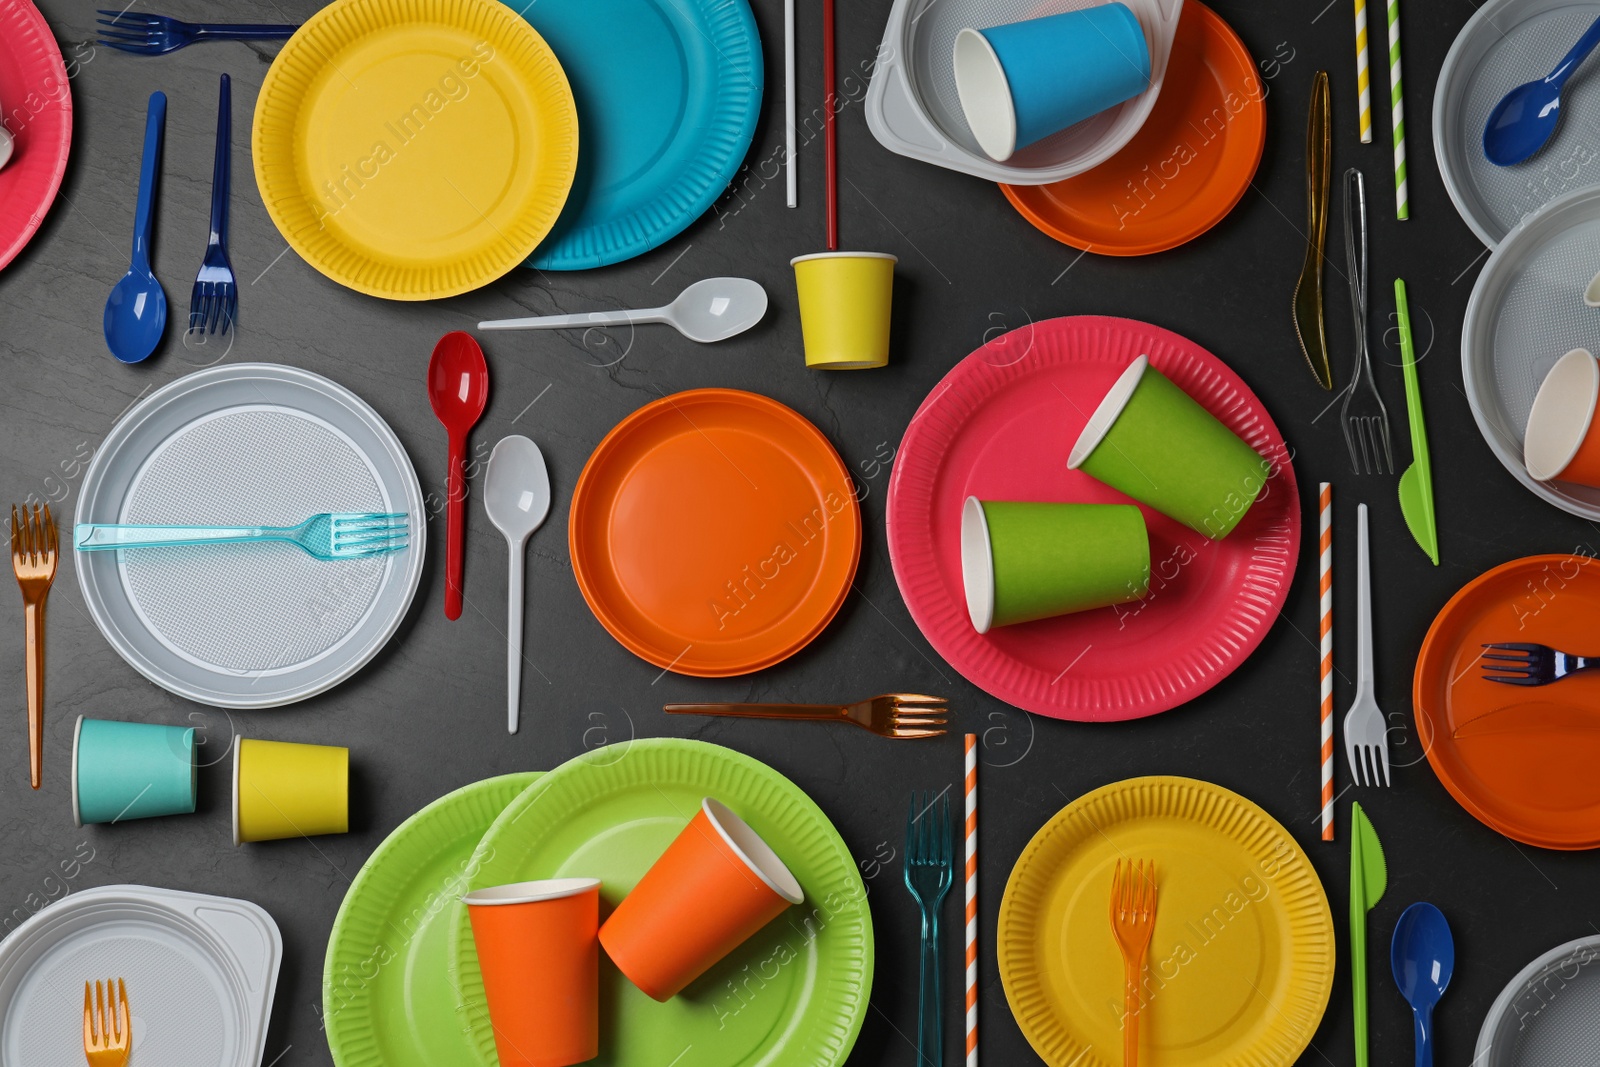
x: 541, y: 969
x: 1563, y: 438
x: 714, y: 886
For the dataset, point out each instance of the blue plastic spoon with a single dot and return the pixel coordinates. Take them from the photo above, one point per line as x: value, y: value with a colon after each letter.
x: 1526, y: 117
x: 136, y: 311
x: 1423, y: 956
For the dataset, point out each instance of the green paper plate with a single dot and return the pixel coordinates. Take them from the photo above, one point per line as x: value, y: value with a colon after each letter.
x: 794, y: 993
x: 386, y: 995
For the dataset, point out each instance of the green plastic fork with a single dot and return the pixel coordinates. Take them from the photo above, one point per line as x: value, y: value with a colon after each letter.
x: 325, y: 536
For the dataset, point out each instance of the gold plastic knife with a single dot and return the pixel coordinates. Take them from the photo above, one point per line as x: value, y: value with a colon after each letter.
x: 1308, y: 322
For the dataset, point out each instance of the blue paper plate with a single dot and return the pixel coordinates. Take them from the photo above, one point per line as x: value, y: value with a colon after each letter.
x: 668, y: 92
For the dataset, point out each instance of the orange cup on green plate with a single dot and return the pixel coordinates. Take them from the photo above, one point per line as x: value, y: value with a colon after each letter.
x: 714, y: 886
x: 1563, y: 438
x: 541, y: 969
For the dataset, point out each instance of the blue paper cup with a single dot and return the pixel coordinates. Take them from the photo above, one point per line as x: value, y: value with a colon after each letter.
x: 1022, y: 82
x: 131, y: 770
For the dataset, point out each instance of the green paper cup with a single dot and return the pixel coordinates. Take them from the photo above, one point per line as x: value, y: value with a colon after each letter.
x: 1025, y: 561
x: 1154, y: 442
x: 131, y: 770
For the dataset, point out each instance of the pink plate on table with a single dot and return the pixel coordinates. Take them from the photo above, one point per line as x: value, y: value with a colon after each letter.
x: 37, y: 107
x: 999, y: 427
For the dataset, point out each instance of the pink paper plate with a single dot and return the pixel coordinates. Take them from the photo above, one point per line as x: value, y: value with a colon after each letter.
x: 999, y: 427
x: 36, y: 103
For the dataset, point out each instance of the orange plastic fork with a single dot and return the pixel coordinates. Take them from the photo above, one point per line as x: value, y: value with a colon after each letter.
x: 34, y: 547
x: 1133, y: 918
x: 107, y: 1036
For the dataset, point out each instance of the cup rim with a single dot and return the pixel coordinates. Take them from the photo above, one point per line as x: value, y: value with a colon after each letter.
x: 977, y: 564
x: 1105, y: 416
x: 891, y: 257
x: 77, y: 732
x: 752, y: 851
x: 534, y: 892
x: 238, y: 750
x: 1567, y: 394
x: 985, y: 94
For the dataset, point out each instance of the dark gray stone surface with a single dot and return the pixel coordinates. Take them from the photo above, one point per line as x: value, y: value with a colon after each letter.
x: 426, y: 716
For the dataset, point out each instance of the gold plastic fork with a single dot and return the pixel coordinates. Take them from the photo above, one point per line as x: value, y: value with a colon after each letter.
x: 890, y: 715
x: 1133, y: 918
x: 107, y: 1036
x: 34, y: 547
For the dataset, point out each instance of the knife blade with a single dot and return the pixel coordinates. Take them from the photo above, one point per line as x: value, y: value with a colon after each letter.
x: 1308, y: 318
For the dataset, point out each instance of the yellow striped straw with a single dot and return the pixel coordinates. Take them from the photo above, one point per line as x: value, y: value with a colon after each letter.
x: 1363, y: 73
x: 1402, y: 208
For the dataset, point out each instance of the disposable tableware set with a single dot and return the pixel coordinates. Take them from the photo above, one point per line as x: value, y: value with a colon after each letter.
x: 1049, y: 496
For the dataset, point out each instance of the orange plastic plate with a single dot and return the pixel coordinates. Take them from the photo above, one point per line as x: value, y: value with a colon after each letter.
x: 714, y: 532
x: 1187, y: 167
x: 1519, y: 759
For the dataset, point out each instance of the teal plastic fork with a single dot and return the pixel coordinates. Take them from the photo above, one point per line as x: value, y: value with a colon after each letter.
x: 325, y: 536
x: 930, y: 868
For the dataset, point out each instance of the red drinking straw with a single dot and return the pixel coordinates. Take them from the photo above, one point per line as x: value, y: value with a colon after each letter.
x: 830, y: 142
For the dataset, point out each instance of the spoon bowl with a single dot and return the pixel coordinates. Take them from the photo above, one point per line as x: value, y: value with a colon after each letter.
x: 136, y: 316
x: 516, y: 494
x: 458, y: 389
x: 716, y: 309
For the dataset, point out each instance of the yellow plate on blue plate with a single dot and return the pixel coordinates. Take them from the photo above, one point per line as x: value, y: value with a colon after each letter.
x: 1241, y: 960
x: 414, y: 149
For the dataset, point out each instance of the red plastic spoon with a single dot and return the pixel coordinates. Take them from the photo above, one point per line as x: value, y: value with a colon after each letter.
x: 458, y: 387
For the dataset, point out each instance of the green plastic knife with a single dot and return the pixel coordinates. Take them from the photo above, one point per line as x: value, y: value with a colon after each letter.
x: 1369, y: 877
x: 1416, y: 481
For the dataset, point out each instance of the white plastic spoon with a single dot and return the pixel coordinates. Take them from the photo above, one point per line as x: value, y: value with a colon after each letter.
x: 714, y: 309
x: 516, y: 494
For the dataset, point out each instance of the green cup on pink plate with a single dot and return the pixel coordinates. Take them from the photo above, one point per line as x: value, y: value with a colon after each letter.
x: 1156, y: 443
x: 1022, y: 561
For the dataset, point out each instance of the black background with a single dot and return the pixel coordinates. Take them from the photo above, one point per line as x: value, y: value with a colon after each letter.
x: 426, y: 716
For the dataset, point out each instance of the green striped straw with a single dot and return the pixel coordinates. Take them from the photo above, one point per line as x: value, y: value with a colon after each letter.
x: 1397, y: 108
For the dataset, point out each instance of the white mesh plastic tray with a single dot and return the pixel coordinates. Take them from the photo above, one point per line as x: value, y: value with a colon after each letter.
x: 1506, y: 43
x: 199, y: 970
x: 248, y: 626
x: 913, y: 109
x: 1527, y: 311
x: 1549, y: 1014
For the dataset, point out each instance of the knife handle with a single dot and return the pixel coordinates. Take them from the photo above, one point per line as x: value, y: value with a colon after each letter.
x: 1408, y: 369
x: 1319, y: 157
x: 1358, y: 952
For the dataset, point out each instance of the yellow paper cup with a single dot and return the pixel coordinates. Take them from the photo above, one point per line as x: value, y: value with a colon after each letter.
x: 844, y: 308
x: 284, y: 790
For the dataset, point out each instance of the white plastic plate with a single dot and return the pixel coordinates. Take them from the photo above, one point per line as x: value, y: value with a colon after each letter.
x: 1527, y: 311
x: 913, y: 109
x: 200, y: 973
x: 248, y: 626
x: 1549, y: 1014
x: 1506, y: 43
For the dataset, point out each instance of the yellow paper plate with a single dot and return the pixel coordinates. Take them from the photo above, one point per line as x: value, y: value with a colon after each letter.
x: 414, y: 149
x: 1241, y: 959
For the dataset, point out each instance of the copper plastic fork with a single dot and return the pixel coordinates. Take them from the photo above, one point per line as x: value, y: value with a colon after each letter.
x: 890, y: 715
x: 1133, y: 919
x: 34, y: 548
x: 107, y: 1036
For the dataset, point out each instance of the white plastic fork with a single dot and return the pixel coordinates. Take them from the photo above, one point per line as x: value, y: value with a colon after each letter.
x: 1366, y: 744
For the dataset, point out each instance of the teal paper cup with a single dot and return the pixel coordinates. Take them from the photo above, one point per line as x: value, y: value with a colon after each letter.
x: 131, y: 770
x: 1154, y: 442
x: 1021, y: 82
x: 1026, y: 561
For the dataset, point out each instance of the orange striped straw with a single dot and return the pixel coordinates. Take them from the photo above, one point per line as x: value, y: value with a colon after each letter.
x: 1325, y: 531
x: 971, y: 790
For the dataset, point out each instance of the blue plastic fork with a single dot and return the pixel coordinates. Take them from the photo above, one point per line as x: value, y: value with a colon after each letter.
x: 215, y: 300
x: 156, y: 35
x: 325, y: 536
x: 930, y: 868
